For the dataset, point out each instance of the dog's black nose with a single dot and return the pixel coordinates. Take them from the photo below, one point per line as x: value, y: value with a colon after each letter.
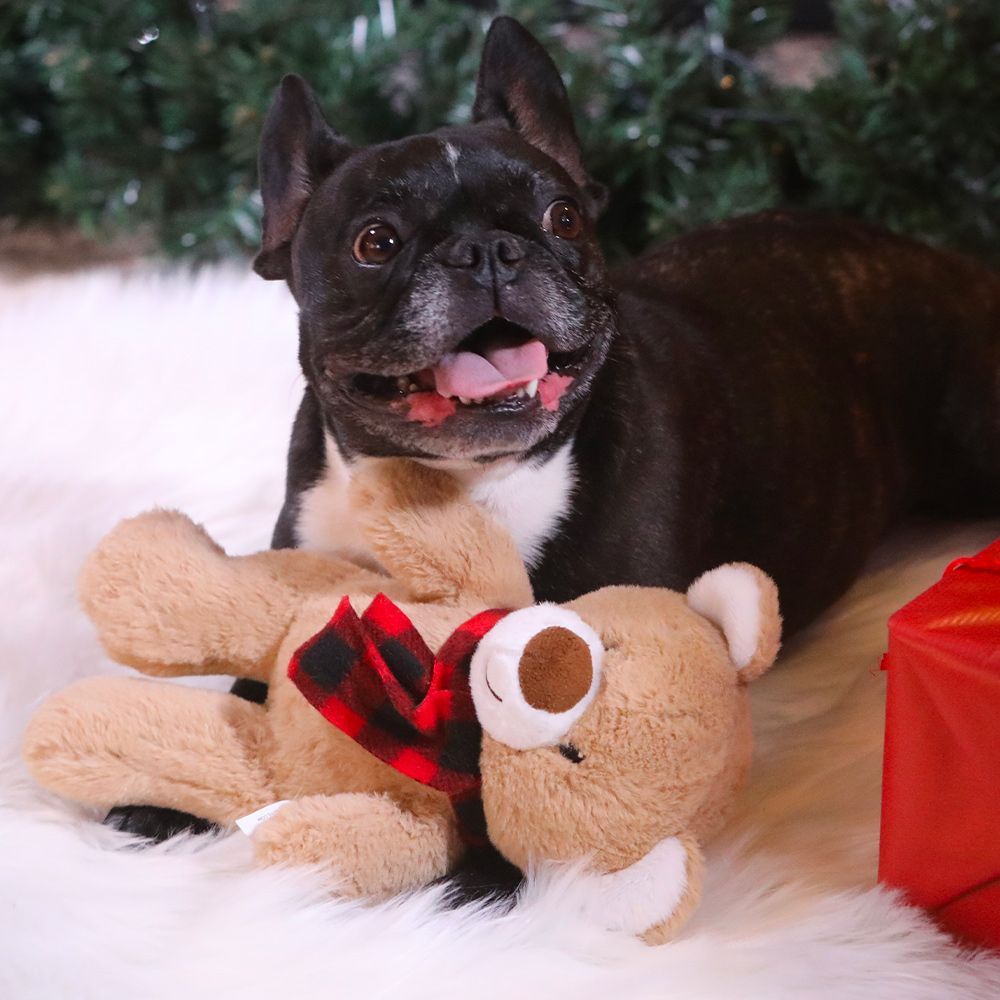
x: 493, y: 258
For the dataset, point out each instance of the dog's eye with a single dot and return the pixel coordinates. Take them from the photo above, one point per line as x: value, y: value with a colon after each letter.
x: 563, y: 219
x: 376, y: 244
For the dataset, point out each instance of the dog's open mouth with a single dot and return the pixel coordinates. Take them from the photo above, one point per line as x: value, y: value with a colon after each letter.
x: 499, y: 366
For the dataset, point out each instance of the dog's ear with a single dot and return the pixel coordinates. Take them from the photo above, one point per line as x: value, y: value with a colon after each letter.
x: 519, y: 85
x: 298, y: 148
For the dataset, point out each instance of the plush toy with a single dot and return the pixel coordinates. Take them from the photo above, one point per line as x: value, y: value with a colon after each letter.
x: 617, y: 728
x: 614, y: 728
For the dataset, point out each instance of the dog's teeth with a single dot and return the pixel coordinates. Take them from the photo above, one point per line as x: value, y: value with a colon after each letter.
x: 414, y: 387
x: 403, y: 383
x: 531, y: 388
x: 464, y: 400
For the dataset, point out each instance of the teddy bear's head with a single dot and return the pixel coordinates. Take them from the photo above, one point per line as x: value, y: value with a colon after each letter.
x: 620, y: 718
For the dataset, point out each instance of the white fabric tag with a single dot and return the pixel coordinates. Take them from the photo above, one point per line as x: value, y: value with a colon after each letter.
x: 250, y: 823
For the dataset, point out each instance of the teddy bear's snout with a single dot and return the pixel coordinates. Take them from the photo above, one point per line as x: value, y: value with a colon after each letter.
x: 534, y: 674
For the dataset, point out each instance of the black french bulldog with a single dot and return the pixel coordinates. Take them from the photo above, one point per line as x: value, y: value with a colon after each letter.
x: 777, y: 389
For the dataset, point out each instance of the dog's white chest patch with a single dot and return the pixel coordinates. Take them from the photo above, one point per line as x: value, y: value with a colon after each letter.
x: 529, y: 501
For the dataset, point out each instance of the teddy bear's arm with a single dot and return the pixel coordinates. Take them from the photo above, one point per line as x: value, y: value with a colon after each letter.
x: 167, y: 600
x: 423, y: 528
x: 368, y: 845
x: 652, y: 897
x: 108, y: 741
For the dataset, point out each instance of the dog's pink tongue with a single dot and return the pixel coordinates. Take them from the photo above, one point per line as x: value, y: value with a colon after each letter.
x: 464, y: 373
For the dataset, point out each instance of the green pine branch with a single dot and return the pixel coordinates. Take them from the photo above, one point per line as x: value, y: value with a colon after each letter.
x: 126, y: 115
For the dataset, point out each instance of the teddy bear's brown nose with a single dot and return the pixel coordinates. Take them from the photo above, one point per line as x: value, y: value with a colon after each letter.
x: 555, y: 670
x: 534, y: 674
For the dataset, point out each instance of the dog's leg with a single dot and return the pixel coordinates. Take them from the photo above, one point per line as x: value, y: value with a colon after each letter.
x: 110, y: 740
x: 367, y: 845
x: 306, y: 464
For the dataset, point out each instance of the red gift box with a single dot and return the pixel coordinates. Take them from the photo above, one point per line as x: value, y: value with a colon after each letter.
x: 940, y: 839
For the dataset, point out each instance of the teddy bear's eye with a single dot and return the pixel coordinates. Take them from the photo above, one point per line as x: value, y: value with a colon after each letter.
x: 570, y: 752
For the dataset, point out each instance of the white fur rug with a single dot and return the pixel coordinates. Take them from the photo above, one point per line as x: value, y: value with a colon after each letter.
x: 117, y: 393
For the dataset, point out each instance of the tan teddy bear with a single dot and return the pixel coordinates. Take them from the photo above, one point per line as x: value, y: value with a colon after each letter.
x: 616, y: 726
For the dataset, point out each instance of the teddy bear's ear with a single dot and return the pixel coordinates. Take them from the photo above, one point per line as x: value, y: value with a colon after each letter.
x: 742, y: 601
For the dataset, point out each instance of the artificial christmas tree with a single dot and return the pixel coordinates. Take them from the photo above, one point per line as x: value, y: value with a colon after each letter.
x: 143, y: 116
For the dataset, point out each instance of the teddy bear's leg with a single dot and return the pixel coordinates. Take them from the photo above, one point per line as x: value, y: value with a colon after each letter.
x: 105, y: 741
x: 424, y: 529
x: 368, y: 845
x: 167, y: 600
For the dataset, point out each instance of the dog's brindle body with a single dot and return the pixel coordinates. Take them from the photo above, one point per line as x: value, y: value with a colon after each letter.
x: 777, y: 389
x: 780, y: 390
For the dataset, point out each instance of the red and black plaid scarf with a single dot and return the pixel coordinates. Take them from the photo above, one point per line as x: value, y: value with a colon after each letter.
x: 375, y: 679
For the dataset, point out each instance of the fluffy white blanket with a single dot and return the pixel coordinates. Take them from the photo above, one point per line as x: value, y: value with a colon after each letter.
x: 118, y: 392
